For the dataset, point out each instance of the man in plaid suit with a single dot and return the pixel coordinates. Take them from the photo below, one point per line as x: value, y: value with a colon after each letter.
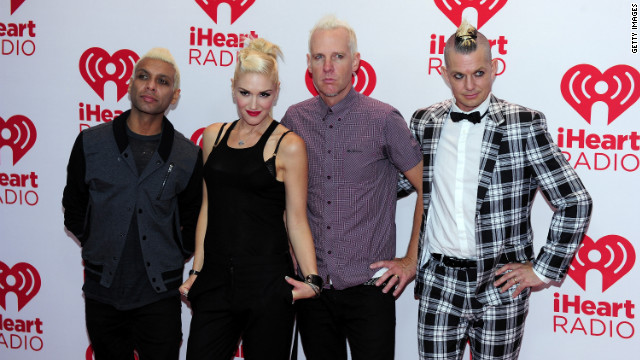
x: 484, y: 159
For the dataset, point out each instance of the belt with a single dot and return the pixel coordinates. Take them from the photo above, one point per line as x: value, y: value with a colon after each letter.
x: 455, y: 262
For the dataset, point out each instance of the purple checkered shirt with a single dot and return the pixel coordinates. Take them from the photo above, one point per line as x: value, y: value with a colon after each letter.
x: 355, y: 152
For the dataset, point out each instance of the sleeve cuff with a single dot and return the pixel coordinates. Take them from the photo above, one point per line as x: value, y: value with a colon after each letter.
x: 544, y: 279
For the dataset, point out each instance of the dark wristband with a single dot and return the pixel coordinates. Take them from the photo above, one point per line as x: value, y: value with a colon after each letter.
x: 193, y: 272
x: 316, y: 283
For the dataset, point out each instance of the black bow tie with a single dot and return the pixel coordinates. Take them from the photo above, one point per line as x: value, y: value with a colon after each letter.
x: 473, y: 117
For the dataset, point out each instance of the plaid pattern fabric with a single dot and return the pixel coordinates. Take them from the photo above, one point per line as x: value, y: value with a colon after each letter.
x: 518, y: 156
x: 449, y: 315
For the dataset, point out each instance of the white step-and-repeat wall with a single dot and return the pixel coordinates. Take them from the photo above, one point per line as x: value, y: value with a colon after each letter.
x: 64, y: 66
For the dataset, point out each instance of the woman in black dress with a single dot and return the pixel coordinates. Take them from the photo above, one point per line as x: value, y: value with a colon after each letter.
x: 254, y: 210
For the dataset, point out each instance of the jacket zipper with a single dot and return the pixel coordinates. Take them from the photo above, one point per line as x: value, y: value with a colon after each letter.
x: 164, y: 181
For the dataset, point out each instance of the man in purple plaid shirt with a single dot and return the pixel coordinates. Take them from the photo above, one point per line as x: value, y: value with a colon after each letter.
x: 356, y: 146
x: 484, y: 160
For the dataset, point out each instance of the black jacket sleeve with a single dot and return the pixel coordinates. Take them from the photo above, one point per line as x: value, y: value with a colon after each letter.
x: 75, y: 198
x: 189, y: 202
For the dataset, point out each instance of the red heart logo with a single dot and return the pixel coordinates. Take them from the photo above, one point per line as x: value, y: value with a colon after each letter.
x: 94, y: 69
x: 22, y: 135
x: 15, y: 4
x: 23, y: 280
x: 196, y: 137
x: 238, y: 7
x: 454, y: 9
x: 578, y: 87
x: 613, y: 256
x: 364, y: 80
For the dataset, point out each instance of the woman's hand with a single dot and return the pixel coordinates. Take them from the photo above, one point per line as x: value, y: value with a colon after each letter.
x: 186, y: 286
x: 300, y: 290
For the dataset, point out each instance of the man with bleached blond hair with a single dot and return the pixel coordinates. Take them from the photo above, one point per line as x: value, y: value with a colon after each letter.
x: 132, y: 198
x: 356, y: 146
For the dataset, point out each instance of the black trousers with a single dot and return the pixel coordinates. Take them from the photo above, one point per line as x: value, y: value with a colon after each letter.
x: 362, y: 315
x: 253, y: 303
x: 154, y: 330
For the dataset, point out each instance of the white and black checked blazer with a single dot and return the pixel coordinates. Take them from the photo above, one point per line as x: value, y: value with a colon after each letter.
x: 518, y: 157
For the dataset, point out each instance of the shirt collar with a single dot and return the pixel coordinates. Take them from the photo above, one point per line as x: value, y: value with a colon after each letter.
x: 343, y: 107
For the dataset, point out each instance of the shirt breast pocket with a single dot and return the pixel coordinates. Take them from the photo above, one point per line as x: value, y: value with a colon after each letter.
x: 359, y: 165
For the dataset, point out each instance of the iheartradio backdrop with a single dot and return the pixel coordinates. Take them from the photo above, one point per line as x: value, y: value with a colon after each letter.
x: 65, y: 68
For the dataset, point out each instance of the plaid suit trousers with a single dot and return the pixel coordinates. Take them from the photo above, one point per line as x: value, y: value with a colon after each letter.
x: 450, y: 315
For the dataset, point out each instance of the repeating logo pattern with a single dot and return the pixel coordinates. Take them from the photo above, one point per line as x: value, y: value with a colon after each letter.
x: 23, y: 280
x: 579, y: 89
x: 364, y: 80
x: 98, y: 67
x: 238, y: 7
x: 486, y: 9
x: 614, y: 258
x: 15, y: 4
x: 22, y: 135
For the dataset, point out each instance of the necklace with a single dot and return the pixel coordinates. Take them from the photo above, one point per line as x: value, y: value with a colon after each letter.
x: 242, y: 142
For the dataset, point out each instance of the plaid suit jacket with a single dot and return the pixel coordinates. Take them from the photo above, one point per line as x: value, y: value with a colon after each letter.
x: 518, y: 156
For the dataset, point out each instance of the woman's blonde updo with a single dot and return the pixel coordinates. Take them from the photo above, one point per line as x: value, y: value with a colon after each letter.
x: 258, y: 56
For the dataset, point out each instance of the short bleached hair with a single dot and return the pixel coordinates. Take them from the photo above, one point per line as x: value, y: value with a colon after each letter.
x: 163, y: 54
x: 330, y: 22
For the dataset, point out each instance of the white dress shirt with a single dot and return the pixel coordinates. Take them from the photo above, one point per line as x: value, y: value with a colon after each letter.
x: 451, y: 226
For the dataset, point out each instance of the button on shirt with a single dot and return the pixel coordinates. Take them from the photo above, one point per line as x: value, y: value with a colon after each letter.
x: 356, y: 149
x: 451, y: 220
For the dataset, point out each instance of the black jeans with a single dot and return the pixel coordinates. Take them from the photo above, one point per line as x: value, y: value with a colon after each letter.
x: 154, y: 330
x: 362, y: 315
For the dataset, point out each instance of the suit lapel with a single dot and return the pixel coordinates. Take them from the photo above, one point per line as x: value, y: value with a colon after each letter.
x: 432, y: 133
x: 430, y: 139
x: 491, y: 143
